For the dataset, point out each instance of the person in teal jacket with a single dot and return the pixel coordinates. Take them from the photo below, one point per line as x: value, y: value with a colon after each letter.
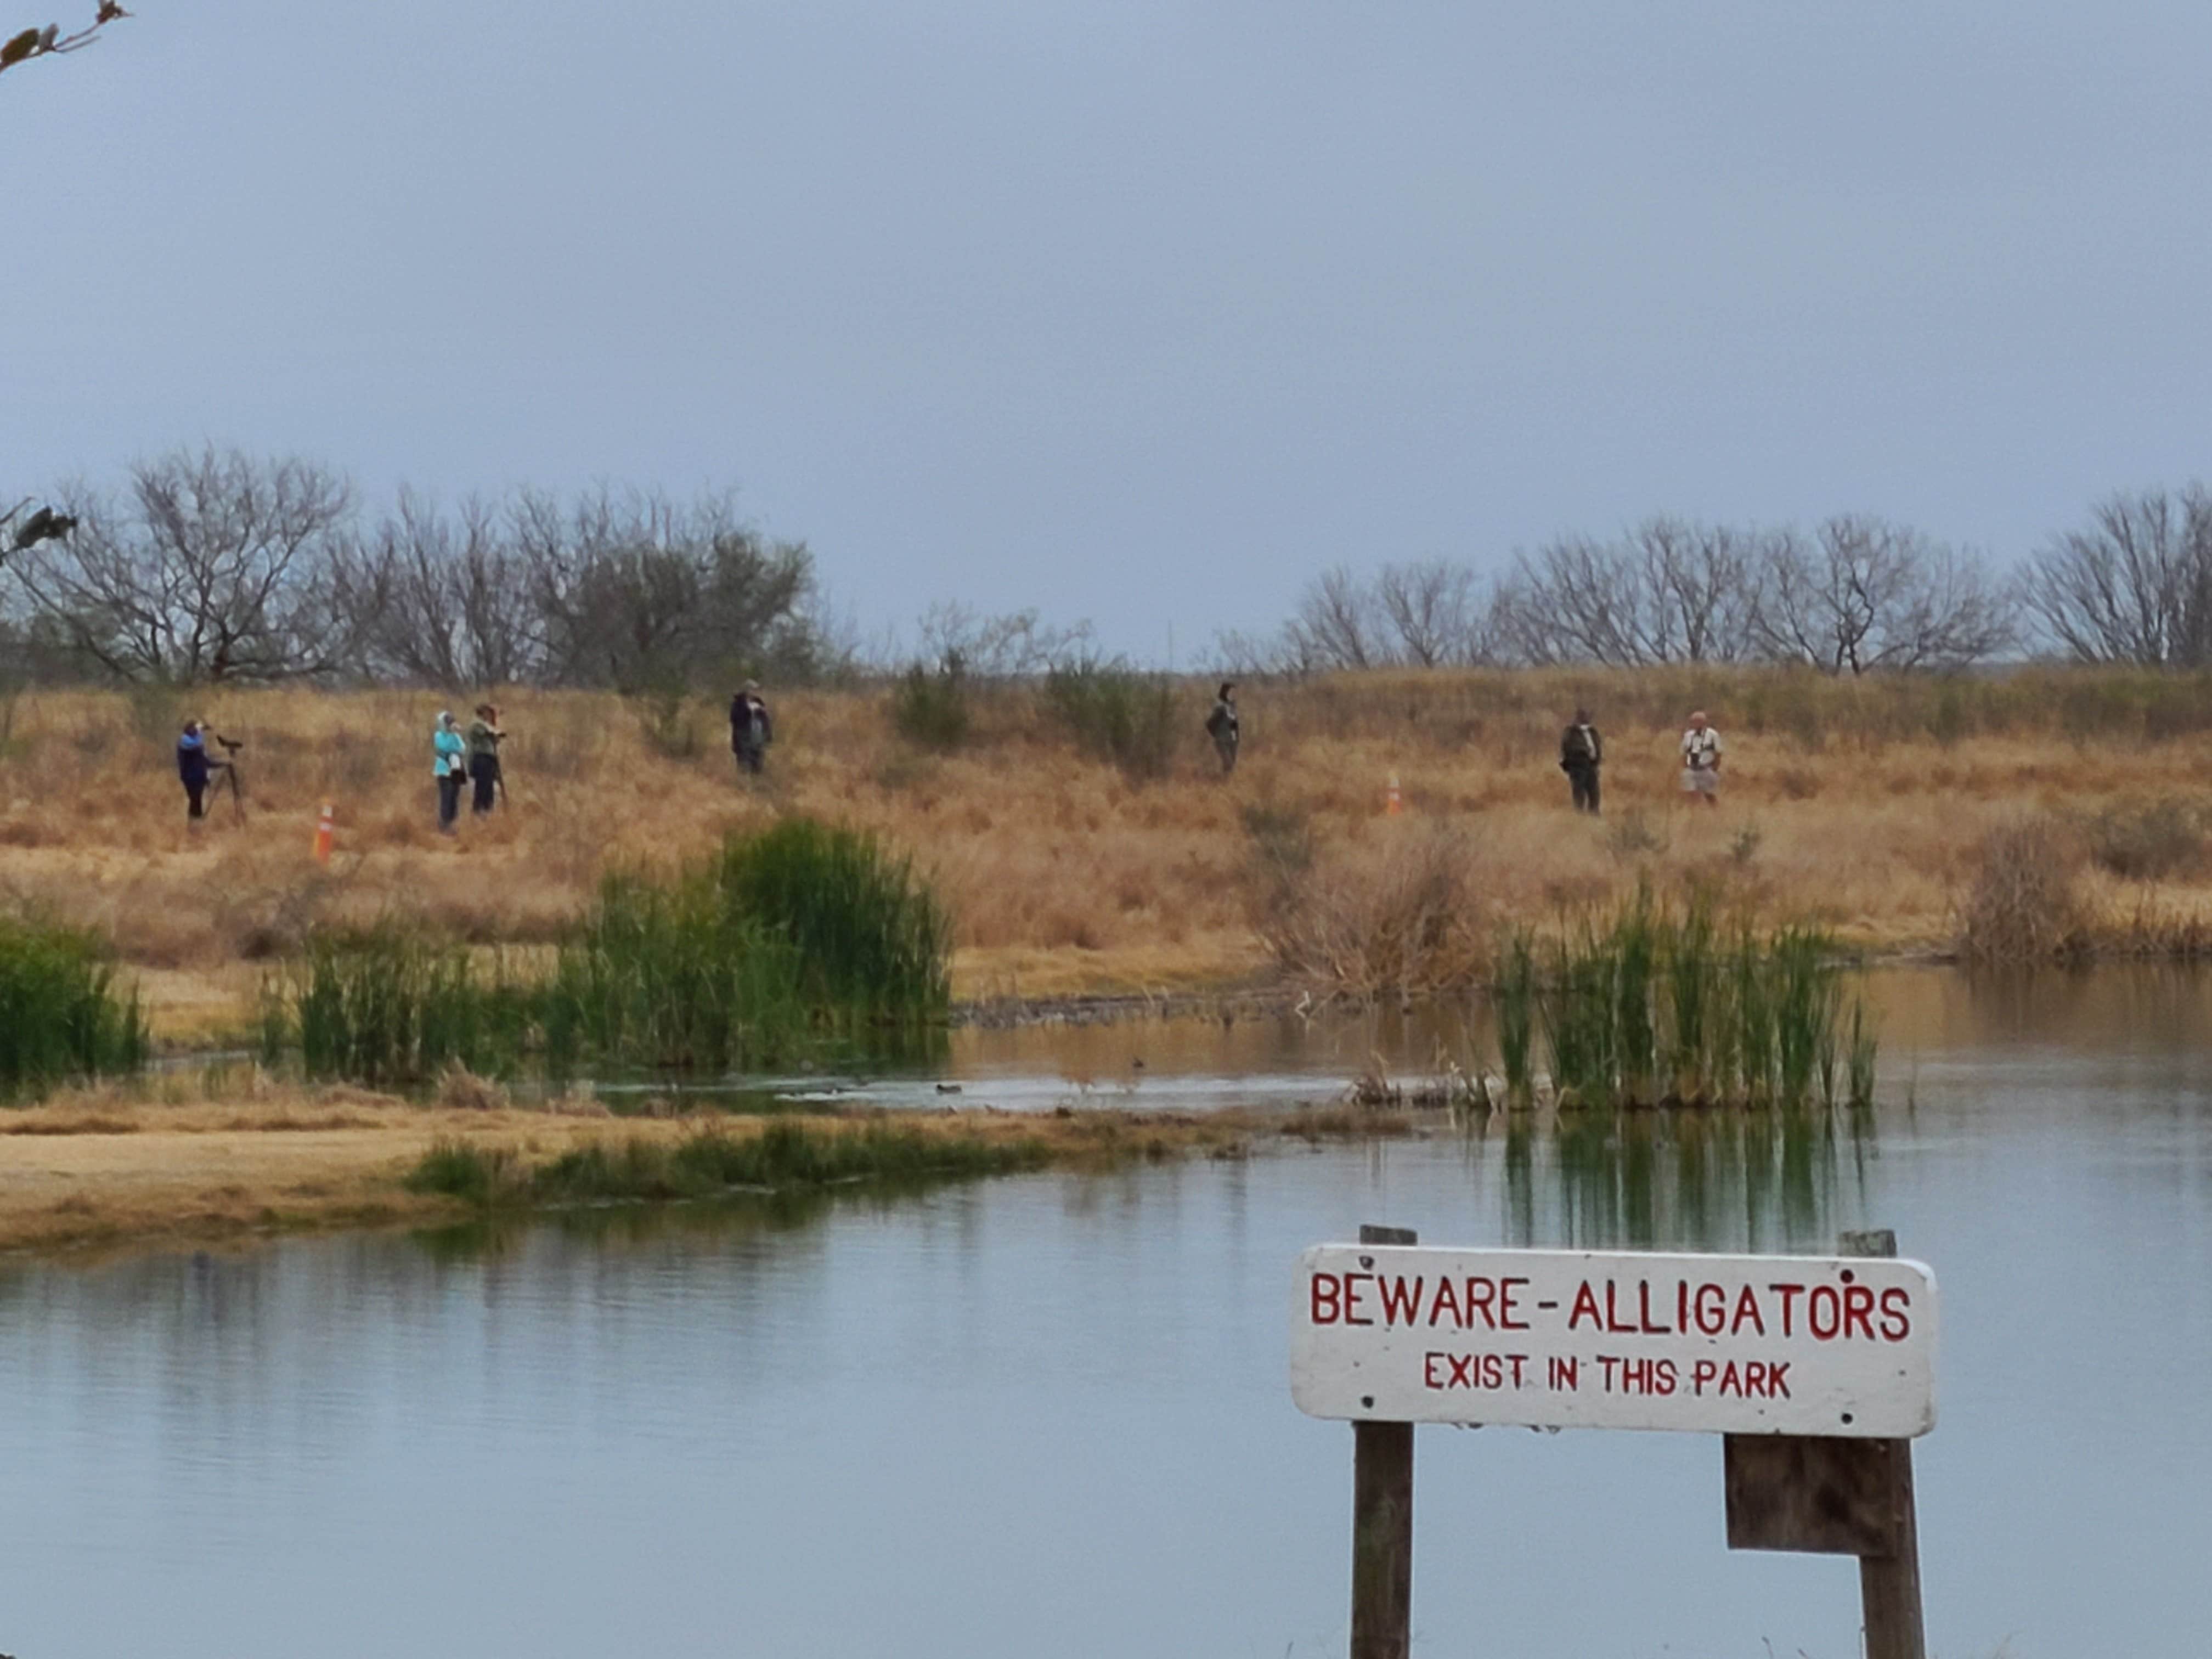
x: 450, y: 767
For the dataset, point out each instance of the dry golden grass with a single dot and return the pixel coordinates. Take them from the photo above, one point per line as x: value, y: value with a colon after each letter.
x: 1860, y: 804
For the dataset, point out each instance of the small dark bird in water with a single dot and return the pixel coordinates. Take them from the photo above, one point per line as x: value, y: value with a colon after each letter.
x: 44, y: 526
x: 948, y: 1088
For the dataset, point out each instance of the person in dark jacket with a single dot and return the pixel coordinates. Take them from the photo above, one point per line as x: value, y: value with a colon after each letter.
x: 751, y: 731
x: 484, y: 739
x: 1221, y: 726
x: 192, y: 770
x: 1581, y: 754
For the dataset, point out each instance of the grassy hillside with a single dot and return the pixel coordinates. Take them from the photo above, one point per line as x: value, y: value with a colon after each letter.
x: 1863, y: 806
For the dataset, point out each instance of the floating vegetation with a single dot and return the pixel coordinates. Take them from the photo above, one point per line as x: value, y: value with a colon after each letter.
x: 1654, y: 1007
x: 61, y: 1017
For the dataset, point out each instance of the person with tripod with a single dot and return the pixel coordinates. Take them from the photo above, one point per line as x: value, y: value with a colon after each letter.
x: 484, y: 737
x: 192, y: 768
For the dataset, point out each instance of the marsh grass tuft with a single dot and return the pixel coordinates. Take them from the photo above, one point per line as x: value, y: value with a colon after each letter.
x: 62, y: 1016
x: 388, y: 1004
x: 1658, y: 1007
x: 769, y: 953
x: 781, y: 1157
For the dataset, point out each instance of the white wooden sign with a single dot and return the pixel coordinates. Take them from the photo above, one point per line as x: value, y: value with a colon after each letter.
x: 1569, y: 1339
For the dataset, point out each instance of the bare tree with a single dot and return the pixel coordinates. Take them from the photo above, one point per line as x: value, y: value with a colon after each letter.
x: 1338, y: 625
x: 2134, y: 586
x: 1863, y: 594
x: 215, y: 566
x: 1670, y: 591
x: 1015, y: 645
x: 1431, y: 606
x: 438, y: 599
x: 638, y: 592
x: 50, y: 42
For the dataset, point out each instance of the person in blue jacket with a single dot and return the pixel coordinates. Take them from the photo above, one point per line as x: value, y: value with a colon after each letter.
x: 192, y: 770
x: 451, y: 768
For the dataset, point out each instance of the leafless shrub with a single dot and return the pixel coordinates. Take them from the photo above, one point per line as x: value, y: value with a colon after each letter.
x: 2023, y: 906
x: 1406, y: 920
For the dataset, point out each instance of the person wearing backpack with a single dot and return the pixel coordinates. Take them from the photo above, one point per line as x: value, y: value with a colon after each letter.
x: 751, y: 731
x: 1221, y: 726
x: 1580, y: 753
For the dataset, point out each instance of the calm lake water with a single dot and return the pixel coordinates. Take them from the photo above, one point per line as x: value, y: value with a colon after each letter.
x: 1049, y: 1415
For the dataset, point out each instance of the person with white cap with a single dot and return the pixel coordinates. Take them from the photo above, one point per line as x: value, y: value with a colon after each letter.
x: 450, y: 766
x: 1701, y: 760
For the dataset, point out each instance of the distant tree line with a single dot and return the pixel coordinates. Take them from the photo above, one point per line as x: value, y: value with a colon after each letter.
x: 1855, y: 594
x: 215, y: 567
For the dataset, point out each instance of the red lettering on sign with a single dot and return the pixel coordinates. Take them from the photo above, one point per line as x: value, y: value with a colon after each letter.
x: 1429, y: 1379
x: 1823, y: 1312
x: 1351, y: 1284
x: 1612, y: 1319
x: 1701, y: 1374
x: 1777, y: 1381
x: 1858, y: 1311
x: 1566, y: 1374
x: 1482, y: 1298
x: 1643, y: 1313
x: 1446, y: 1297
x: 1607, y: 1362
x: 1789, y: 1293
x: 1585, y: 1302
x: 1400, y: 1306
x: 1505, y: 1319
x: 1711, y: 1310
x: 1896, y: 1321
x: 1746, y: 1313
x: 1520, y: 1363
x: 1328, y: 1300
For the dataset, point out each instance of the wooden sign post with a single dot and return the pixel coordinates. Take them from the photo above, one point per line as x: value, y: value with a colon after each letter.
x: 1383, y: 1521
x: 1817, y: 1371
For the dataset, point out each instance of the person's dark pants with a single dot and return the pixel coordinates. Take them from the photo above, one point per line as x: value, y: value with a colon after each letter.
x: 449, y: 799
x: 1227, y: 747
x: 750, y: 756
x: 483, y: 772
x: 195, y: 799
x: 1584, y: 779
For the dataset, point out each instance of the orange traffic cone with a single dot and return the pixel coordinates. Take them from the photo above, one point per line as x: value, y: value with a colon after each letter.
x: 1391, y: 802
x: 324, y: 829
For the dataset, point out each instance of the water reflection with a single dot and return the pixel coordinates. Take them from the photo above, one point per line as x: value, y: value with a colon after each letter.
x: 1773, y: 1180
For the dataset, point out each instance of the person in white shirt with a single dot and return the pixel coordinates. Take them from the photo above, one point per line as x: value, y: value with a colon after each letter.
x: 1701, y: 760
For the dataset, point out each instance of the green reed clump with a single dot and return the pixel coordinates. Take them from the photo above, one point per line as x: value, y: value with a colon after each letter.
x: 781, y: 1158
x: 873, y: 940
x: 1515, y: 997
x: 388, y: 1004
x: 1653, y: 1007
x: 476, y: 1175
x: 662, y: 973
x: 776, y: 949
x: 62, y: 1016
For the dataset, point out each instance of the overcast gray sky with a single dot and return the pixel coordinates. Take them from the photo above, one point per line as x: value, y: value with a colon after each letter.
x: 1138, y: 311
